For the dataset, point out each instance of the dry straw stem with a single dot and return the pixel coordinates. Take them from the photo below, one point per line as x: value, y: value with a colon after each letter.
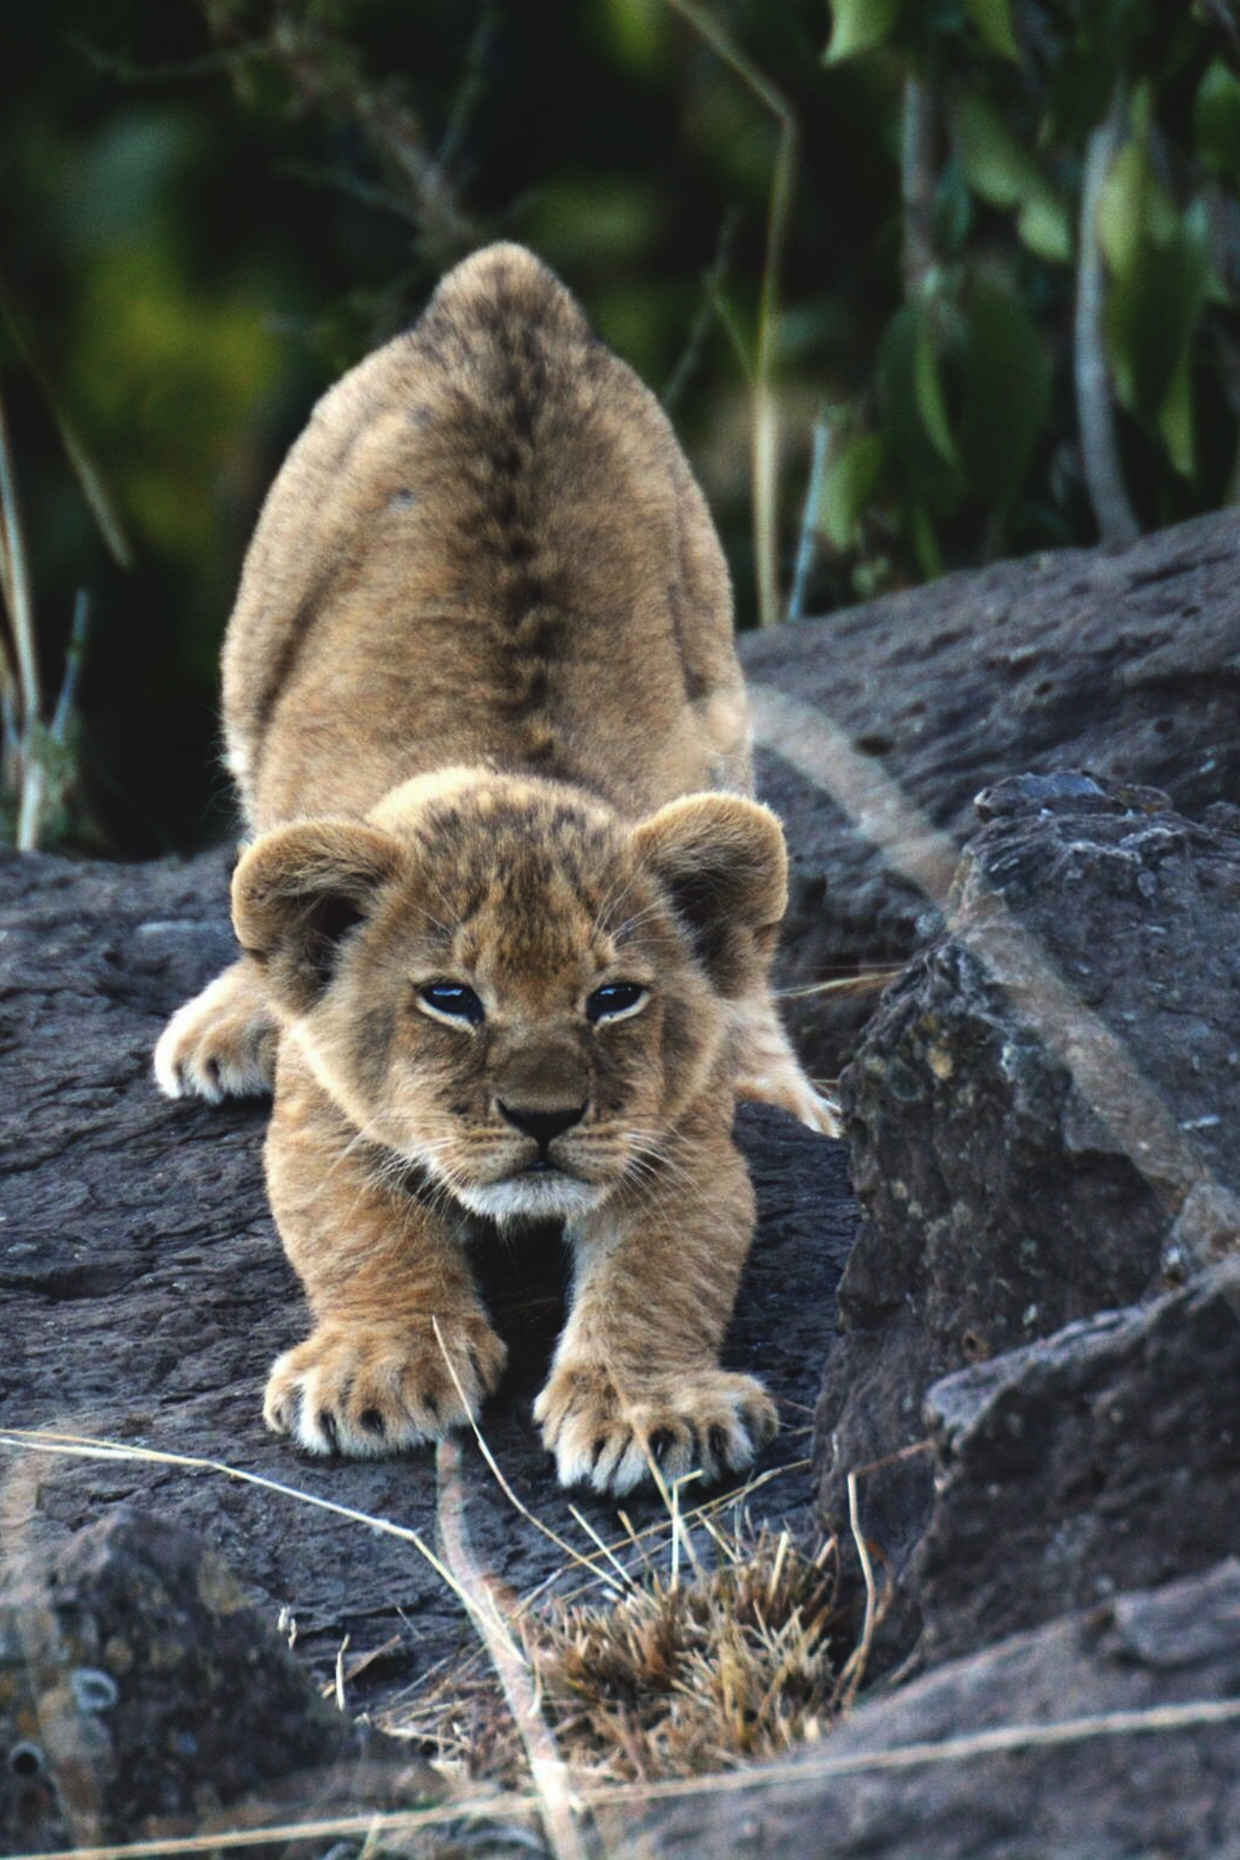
x: 748, y: 1589
x: 484, y: 1600
x: 805, y: 1773
x: 752, y: 1665
x: 854, y: 1670
x: 83, y: 1446
x: 869, y: 981
x: 765, y: 444
x: 665, y: 1679
x: 561, y: 1543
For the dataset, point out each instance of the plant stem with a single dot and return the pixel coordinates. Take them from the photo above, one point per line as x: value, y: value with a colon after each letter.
x: 917, y: 130
x: 1095, y: 411
x: 17, y: 583
x: 765, y: 440
x: 807, y: 547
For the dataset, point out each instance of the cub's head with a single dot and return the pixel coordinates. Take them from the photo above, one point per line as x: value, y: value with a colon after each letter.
x: 507, y: 985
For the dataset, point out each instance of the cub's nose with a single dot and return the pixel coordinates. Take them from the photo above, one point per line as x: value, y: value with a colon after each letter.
x: 542, y: 1125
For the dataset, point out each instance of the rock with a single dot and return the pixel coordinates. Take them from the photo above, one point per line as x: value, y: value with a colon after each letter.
x: 1102, y: 1459
x: 140, y: 1695
x: 1109, y: 1734
x: 878, y: 725
x: 145, y: 1294
x: 1040, y: 1115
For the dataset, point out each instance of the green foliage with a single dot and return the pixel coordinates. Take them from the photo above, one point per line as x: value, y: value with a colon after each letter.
x: 974, y: 368
x: 1216, y: 121
x: 211, y: 210
x: 993, y: 19
x: 849, y: 481
x: 1159, y: 264
x: 1004, y: 172
x: 859, y: 25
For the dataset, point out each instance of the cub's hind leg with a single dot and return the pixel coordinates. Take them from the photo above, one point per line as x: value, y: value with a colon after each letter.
x: 222, y: 1044
x: 769, y: 1071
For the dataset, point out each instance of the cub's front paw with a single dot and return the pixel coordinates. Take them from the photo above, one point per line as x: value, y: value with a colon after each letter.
x: 219, y: 1045
x: 369, y: 1391
x: 705, y: 1418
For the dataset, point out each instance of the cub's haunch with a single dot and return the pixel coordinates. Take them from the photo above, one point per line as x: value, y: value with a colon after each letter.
x: 507, y: 911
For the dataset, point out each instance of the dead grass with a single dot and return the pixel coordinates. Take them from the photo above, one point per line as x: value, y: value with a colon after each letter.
x: 684, y: 1652
x: 673, y: 1678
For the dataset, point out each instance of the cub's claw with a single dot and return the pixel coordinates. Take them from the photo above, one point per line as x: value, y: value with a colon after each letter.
x: 707, y: 1418
x: 366, y: 1392
x: 222, y: 1044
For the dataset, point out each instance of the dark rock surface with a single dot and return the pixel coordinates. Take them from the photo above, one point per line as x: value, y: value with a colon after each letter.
x: 918, y: 1776
x: 1041, y: 1114
x: 1040, y: 1119
x: 1126, y: 663
x: 139, y: 1695
x: 144, y: 1293
x: 1102, y: 1459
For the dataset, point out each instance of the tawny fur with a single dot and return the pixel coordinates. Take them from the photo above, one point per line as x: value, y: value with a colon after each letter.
x: 483, y: 707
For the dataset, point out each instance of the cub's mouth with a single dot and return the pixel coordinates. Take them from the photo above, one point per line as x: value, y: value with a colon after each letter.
x: 539, y: 1169
x: 540, y: 1190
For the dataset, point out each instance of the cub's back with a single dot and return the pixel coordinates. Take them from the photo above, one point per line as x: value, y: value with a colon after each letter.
x: 487, y: 545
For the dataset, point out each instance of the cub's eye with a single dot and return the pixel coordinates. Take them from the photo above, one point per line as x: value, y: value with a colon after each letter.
x: 452, y: 1001
x: 614, y: 999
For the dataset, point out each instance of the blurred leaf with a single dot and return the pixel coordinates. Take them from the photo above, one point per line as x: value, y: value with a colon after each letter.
x: 1006, y: 393
x: 999, y: 167
x: 847, y: 487
x: 1045, y: 226
x: 1175, y: 416
x: 1080, y: 87
x: 907, y: 382
x: 638, y: 29
x: 1133, y: 210
x: 1141, y: 109
x: 1002, y: 171
x: 928, y: 387
x: 172, y: 377
x: 1153, y: 308
x: 1216, y: 120
x: 993, y: 20
x: 925, y: 542
x: 592, y: 220
x: 953, y: 208
x: 858, y: 26
x: 942, y: 16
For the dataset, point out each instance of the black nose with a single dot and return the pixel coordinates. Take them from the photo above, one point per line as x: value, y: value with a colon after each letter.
x: 542, y: 1125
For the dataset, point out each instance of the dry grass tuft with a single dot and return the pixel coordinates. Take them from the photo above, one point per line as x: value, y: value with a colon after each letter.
x: 670, y: 1679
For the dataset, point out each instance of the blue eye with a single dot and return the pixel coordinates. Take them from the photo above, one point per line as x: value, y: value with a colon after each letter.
x: 614, y: 998
x: 455, y: 1000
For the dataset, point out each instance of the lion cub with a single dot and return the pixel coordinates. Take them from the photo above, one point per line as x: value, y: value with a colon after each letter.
x: 503, y: 960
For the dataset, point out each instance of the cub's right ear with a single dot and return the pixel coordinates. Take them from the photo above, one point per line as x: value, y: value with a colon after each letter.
x: 298, y: 892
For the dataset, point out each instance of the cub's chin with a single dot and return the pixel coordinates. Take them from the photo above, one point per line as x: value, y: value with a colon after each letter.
x: 533, y: 1195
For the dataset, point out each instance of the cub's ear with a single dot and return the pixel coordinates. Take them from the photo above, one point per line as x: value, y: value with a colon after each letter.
x: 722, y: 862
x: 298, y: 892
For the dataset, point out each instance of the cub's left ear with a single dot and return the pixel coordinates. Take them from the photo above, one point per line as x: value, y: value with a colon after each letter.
x: 299, y: 891
x: 722, y: 862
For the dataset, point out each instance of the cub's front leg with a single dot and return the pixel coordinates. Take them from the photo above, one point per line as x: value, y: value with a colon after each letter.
x: 378, y: 1265
x: 222, y: 1043
x: 636, y: 1375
